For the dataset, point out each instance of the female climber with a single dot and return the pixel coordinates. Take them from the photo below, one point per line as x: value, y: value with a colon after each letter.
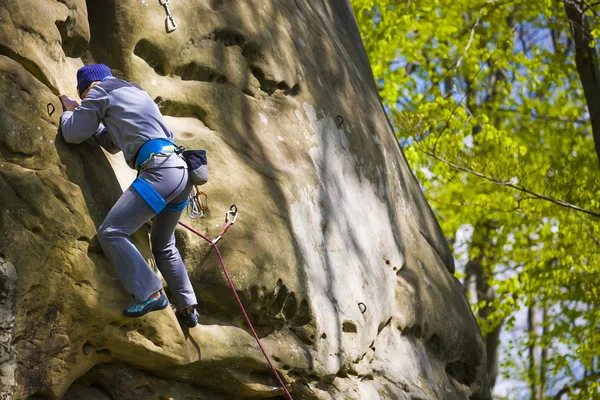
x: 120, y: 116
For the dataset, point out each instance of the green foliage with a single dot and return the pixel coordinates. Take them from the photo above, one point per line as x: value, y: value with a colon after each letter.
x: 486, y: 101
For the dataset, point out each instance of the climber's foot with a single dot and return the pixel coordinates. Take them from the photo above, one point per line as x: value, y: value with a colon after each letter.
x: 154, y: 303
x: 189, y: 316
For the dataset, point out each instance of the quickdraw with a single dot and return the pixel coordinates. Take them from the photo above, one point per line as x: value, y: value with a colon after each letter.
x: 230, y: 219
x: 171, y: 25
x: 197, y: 204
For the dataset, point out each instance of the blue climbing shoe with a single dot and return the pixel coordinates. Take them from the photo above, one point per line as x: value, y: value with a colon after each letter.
x: 189, y: 318
x: 138, y: 309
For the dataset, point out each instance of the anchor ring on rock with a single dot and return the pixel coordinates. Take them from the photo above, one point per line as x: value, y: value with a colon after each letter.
x: 340, y: 120
x: 362, y: 307
x: 50, y: 108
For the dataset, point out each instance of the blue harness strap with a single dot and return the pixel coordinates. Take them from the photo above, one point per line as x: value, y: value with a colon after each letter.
x: 154, y: 146
x: 149, y: 194
x: 176, y: 207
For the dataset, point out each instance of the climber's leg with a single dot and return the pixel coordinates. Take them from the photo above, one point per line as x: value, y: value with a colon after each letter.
x: 129, y: 213
x: 164, y: 180
x: 167, y: 256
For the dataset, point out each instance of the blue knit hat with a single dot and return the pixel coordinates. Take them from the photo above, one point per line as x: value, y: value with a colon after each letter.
x: 90, y: 73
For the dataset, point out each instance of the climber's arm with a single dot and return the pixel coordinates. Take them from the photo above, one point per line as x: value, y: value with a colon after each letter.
x: 85, y: 120
x: 102, y: 137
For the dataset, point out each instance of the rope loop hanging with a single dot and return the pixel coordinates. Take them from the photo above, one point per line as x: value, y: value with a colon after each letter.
x: 230, y: 218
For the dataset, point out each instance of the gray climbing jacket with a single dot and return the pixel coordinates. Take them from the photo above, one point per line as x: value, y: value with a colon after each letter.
x: 119, y: 115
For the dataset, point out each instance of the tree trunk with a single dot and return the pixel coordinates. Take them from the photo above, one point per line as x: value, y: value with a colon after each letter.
x: 480, y: 290
x: 586, y: 60
x: 534, y: 354
x: 544, y: 355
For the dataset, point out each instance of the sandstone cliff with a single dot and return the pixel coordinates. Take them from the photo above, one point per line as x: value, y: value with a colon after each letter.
x: 336, y: 254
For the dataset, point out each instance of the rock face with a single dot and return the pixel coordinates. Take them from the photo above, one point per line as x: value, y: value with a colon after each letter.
x: 336, y: 254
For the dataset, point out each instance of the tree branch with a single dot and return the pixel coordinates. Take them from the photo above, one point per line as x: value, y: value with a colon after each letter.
x: 591, y: 8
x: 475, y: 25
x: 513, y: 186
x: 545, y: 117
x: 593, y: 237
x: 577, y: 385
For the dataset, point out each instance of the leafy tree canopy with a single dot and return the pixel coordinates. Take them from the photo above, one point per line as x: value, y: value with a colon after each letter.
x: 486, y: 100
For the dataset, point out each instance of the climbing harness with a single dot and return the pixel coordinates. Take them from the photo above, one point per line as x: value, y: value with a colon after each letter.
x: 230, y: 219
x: 170, y: 21
x: 149, y: 194
x: 197, y: 204
x: 197, y: 164
x: 50, y: 108
x: 195, y: 159
x: 155, y: 148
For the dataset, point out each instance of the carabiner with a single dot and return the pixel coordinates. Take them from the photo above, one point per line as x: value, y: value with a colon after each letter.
x: 202, y: 199
x: 170, y: 23
x: 233, y: 211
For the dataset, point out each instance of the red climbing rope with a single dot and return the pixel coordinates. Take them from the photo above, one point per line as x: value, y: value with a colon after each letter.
x: 232, y: 213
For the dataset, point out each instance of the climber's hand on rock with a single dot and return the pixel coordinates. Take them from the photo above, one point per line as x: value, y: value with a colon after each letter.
x: 68, y: 103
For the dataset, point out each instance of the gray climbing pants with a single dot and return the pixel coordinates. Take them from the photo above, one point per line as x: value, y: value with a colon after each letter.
x: 169, y: 176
